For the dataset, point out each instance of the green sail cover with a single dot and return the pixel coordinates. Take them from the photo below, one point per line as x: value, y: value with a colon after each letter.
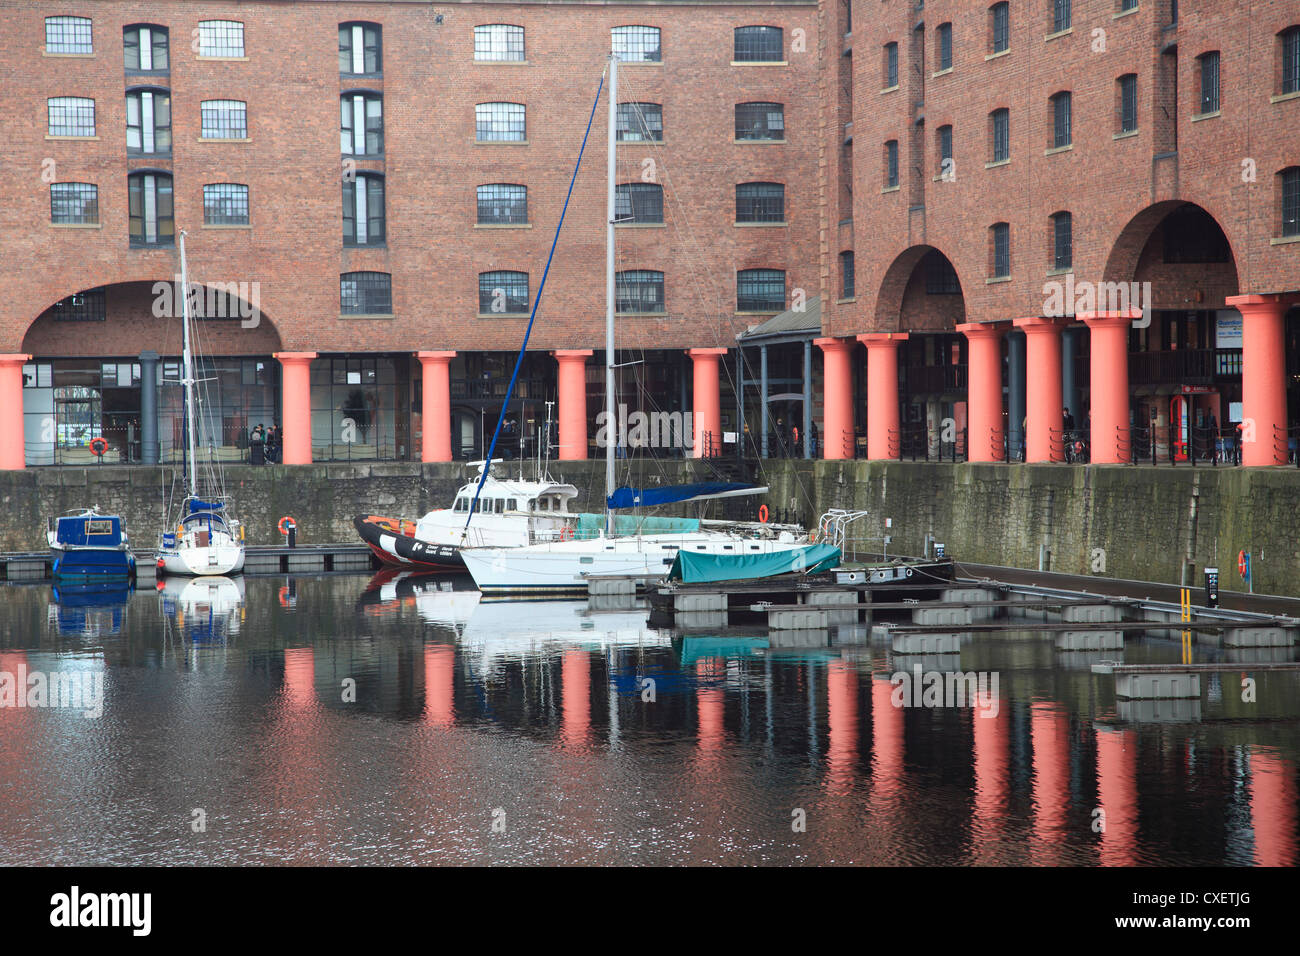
x: 593, y: 525
x: 694, y: 567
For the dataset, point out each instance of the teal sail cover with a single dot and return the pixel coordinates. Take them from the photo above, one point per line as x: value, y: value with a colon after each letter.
x: 592, y: 525
x: 693, y: 567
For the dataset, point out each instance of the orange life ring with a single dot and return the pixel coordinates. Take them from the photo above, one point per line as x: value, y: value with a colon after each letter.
x: 762, y: 513
x: 285, y: 524
x: 99, y: 445
x: 1241, y: 563
x: 566, y: 532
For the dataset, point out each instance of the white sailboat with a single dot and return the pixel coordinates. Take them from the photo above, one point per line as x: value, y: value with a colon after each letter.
x: 558, y: 566
x: 204, y: 538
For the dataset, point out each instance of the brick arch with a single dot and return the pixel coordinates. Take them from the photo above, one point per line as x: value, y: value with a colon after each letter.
x: 896, y: 308
x: 1131, y: 260
x: 131, y: 327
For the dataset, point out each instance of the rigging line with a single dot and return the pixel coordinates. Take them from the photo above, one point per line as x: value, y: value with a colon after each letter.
x: 519, y: 360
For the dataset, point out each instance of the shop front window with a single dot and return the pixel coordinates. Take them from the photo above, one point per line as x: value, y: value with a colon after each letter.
x: 359, y: 408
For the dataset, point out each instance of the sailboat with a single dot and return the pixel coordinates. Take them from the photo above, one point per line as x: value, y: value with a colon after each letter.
x: 552, y: 567
x: 203, y: 538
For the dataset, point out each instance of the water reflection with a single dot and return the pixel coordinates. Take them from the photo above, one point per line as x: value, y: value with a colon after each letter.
x: 400, y: 719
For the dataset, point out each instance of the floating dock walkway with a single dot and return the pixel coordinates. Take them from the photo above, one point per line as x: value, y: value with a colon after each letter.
x: 258, y: 559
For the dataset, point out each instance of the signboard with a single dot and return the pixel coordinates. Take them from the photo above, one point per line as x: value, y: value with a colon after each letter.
x: 1227, y: 329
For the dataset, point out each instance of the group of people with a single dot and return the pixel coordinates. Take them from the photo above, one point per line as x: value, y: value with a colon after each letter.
x: 264, y: 445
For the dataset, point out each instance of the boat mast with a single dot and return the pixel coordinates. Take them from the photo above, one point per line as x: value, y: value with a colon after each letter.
x: 188, y: 374
x: 611, y: 426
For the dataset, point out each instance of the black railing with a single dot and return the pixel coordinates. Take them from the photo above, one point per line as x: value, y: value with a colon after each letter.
x: 919, y: 443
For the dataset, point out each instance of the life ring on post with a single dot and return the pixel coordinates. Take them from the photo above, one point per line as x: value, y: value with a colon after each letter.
x: 98, y: 446
x: 566, y: 533
x: 762, y: 513
x: 285, y: 524
x: 1241, y: 563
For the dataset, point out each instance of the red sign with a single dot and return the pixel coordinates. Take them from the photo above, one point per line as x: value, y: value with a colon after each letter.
x: 1198, y: 389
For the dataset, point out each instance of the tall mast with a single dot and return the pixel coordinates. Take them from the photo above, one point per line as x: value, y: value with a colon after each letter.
x: 611, y: 425
x: 188, y: 373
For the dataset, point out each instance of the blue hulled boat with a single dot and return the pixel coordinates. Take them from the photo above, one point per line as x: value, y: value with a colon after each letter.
x: 90, y: 547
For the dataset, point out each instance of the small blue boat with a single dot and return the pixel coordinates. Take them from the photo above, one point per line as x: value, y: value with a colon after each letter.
x: 90, y: 547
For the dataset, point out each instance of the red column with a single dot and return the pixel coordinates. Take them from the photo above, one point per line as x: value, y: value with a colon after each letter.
x: 1263, y: 377
x: 13, y: 455
x: 842, y: 718
x: 882, y: 393
x: 295, y: 406
x: 575, y: 696
x: 708, y: 404
x: 573, y: 403
x: 1043, y: 388
x: 1273, y: 808
x: 1108, y: 387
x: 1117, y: 793
x: 435, y: 411
x: 985, y: 434
x: 1050, y: 734
x: 837, y: 397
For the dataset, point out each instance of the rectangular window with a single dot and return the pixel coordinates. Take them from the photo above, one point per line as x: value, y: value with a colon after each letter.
x: 366, y: 293
x: 225, y: 204
x: 760, y: 121
x: 639, y: 122
x: 639, y: 203
x: 363, y: 211
x: 891, y: 163
x: 1125, y: 5
x: 945, y: 46
x: 637, y: 44
x: 1060, y: 15
x: 503, y: 293
x: 74, y: 203
x: 148, y: 122
x: 361, y: 127
x: 500, y: 122
x: 1061, y: 135
x: 846, y: 275
x: 360, y: 49
x: 760, y: 202
x: 144, y: 49
x: 639, y: 290
x: 760, y: 290
x: 1062, y: 241
x: 1001, y: 135
x: 1001, y: 26
x: 1291, y: 202
x: 502, y: 204
x: 152, y: 219
x: 499, y: 42
x: 1291, y: 61
x: 1128, y: 101
x: 224, y: 119
x: 68, y: 35
x: 759, y: 45
x: 221, y: 38
x: 1001, y: 250
x: 945, y: 152
x: 1209, y: 82
x: 891, y: 65
x: 71, y: 116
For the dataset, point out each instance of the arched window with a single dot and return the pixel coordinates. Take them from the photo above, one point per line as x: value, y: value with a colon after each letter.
x: 639, y: 122
x: 846, y: 275
x: 1062, y: 134
x: 1000, y: 135
x: 148, y: 121
x: 68, y: 36
x: 144, y: 48
x: 760, y: 202
x: 759, y: 44
x: 999, y: 27
x: 636, y: 44
x: 760, y: 121
x: 361, y: 50
x: 999, y: 250
x: 71, y: 116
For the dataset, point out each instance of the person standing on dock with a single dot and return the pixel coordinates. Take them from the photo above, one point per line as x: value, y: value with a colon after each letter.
x: 257, y: 445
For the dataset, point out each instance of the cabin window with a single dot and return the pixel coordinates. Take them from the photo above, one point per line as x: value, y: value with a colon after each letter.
x: 99, y: 526
x: 512, y: 504
x: 586, y: 560
x: 726, y: 547
x: 532, y: 504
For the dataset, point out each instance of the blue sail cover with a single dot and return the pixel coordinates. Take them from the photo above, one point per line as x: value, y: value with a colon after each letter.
x: 197, y: 506
x: 648, y: 497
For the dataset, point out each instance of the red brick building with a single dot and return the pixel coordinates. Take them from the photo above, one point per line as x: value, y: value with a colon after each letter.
x: 983, y: 160
x: 979, y: 196
x: 385, y: 179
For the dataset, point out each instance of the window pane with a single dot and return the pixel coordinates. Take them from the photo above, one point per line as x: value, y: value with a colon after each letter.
x: 74, y: 203
x: 502, y: 204
x: 71, y: 116
x: 758, y: 121
x: 760, y: 202
x: 500, y: 122
x: 221, y: 38
x: 639, y: 203
x: 366, y: 293
x: 760, y: 290
x: 758, y: 45
x: 499, y: 42
x: 68, y: 35
x: 639, y: 122
x: 224, y: 119
x: 637, y: 44
x: 225, y: 204
x: 503, y: 292
x: 639, y: 290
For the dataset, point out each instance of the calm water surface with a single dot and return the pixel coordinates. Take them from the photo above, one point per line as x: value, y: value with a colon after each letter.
x: 339, y: 719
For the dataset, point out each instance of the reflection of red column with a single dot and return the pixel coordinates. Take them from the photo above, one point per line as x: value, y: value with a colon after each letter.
x: 882, y: 393
x: 573, y: 403
x: 15, y: 730
x: 707, y: 403
x: 295, y: 404
x: 1049, y: 731
x: 12, y: 443
x: 837, y: 397
x: 842, y: 716
x: 1117, y: 795
x: 886, y: 738
x: 575, y: 677
x: 1043, y: 388
x: 439, y: 671
x: 709, y: 703
x: 990, y: 734
x: 435, y: 411
x: 300, y: 678
x: 1273, y: 808
x: 1108, y: 389
x: 1263, y: 376
x: 984, y: 391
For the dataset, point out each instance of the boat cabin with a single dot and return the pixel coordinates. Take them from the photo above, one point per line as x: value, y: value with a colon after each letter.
x: 90, y: 531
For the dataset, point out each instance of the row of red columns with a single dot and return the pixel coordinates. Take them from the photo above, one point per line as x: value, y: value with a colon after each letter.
x: 1263, y: 392
x: 1263, y: 386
